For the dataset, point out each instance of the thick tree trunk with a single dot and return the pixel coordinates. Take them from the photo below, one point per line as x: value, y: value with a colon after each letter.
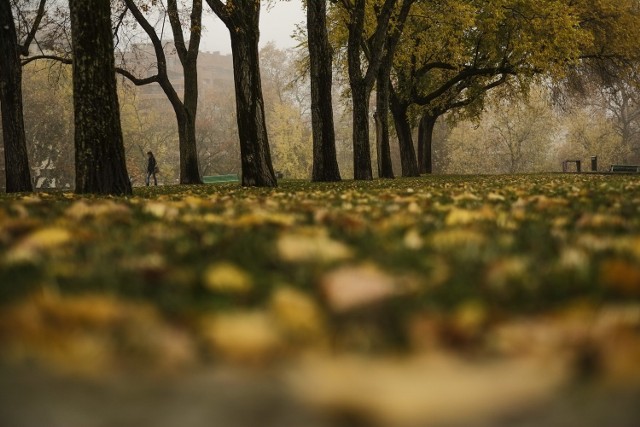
x: 189, y: 171
x: 100, y: 160
x: 257, y: 169
x: 425, y: 142
x: 18, y: 177
x: 361, y: 146
x: 405, y: 140
x: 325, y: 163
x: 385, y: 167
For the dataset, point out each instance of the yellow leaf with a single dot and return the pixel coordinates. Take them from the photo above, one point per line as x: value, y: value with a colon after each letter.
x: 315, y: 245
x: 463, y: 216
x: 352, y: 287
x: 248, y: 337
x: 297, y: 314
x: 227, y: 278
x: 38, y: 242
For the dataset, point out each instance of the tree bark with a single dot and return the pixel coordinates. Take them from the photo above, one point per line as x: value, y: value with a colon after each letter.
x: 189, y: 170
x: 360, y: 134
x: 425, y: 141
x: 242, y: 18
x: 362, y: 81
x: 99, y: 150
x: 325, y: 163
x: 18, y: 176
x: 385, y: 167
x: 405, y: 140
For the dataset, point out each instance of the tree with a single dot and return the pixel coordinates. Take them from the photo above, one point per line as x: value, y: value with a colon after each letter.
x: 456, y: 58
x: 18, y: 176
x: 325, y: 163
x: 512, y: 136
x: 361, y: 78
x: 383, y: 88
x: 242, y: 18
x: 48, y: 117
x: 186, y: 108
x: 99, y: 151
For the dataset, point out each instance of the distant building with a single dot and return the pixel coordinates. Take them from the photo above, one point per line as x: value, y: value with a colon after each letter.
x: 214, y: 71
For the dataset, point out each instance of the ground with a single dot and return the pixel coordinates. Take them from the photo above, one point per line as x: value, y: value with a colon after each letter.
x: 453, y: 301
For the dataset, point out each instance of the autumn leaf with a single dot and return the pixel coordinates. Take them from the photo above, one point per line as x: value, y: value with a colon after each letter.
x: 313, y: 245
x: 225, y: 277
x: 348, y: 288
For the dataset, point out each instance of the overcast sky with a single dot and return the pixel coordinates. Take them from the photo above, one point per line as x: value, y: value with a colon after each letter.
x: 276, y: 24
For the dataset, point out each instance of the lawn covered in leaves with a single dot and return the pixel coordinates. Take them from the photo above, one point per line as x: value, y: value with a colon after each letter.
x: 397, y: 302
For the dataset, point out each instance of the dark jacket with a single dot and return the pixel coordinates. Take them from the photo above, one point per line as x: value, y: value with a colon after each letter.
x: 151, y: 165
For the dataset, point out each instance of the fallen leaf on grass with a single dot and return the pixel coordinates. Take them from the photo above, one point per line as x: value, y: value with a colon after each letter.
x: 114, y: 211
x: 464, y: 217
x: 298, y: 315
x: 312, y: 245
x: 40, y: 241
x: 243, y: 336
x: 348, y: 288
x: 161, y: 210
x: 454, y: 239
x: 227, y: 278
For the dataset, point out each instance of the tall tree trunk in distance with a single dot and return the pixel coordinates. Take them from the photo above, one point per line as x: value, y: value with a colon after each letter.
x: 359, y: 95
x: 383, y: 88
x: 325, y: 163
x: 362, y: 81
x: 405, y: 140
x: 189, y: 170
x: 242, y: 18
x: 425, y: 142
x: 385, y: 167
x: 185, y: 109
x: 100, y: 160
x: 360, y: 134
x: 18, y: 176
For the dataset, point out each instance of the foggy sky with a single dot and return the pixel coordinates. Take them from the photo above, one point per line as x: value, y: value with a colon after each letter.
x: 276, y: 24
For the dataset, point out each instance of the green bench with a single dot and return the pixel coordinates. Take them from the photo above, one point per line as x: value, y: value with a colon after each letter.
x: 625, y: 168
x: 218, y: 179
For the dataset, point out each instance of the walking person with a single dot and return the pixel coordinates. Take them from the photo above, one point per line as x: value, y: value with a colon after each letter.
x: 152, y: 169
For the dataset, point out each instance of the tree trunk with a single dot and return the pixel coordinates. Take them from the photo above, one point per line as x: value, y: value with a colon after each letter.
x: 385, y: 167
x: 425, y: 141
x: 99, y: 150
x: 18, y: 176
x: 325, y: 163
x: 362, y: 79
x: 361, y: 146
x: 405, y: 140
x: 189, y: 171
x: 257, y: 169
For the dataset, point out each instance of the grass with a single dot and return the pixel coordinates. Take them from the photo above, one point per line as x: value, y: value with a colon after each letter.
x: 500, y: 239
x: 478, y: 267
